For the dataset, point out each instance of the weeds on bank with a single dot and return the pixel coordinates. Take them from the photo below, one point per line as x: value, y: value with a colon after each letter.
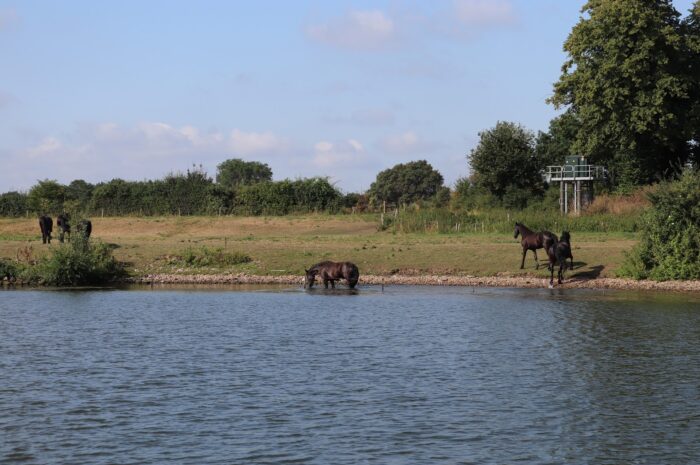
x: 198, y: 257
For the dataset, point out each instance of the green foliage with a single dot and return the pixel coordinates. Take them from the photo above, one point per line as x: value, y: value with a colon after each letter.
x: 670, y: 243
x: 47, y: 196
x: 79, y: 191
x: 203, y: 256
x: 283, y: 197
x: 235, y: 173
x: 553, y: 146
x: 627, y: 81
x: 469, y: 196
x: 505, y: 161
x: 13, y: 204
x: 8, y: 270
x: 78, y: 263
x: 406, y: 183
x: 691, y: 28
x: 502, y: 221
x: 190, y: 193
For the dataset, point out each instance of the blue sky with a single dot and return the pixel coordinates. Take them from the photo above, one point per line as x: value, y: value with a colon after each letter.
x: 137, y: 89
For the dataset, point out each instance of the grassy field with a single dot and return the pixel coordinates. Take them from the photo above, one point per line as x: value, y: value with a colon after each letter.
x: 286, y: 245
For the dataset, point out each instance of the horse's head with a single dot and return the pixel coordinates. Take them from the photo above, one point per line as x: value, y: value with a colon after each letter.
x: 310, y: 278
x: 565, y: 237
x: 517, y: 230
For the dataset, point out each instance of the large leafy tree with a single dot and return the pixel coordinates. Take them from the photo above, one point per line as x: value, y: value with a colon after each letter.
x: 47, y: 196
x: 504, y: 160
x: 626, y: 80
x: 557, y: 143
x: 406, y: 183
x: 235, y: 172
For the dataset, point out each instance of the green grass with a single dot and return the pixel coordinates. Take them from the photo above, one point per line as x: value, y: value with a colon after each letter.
x: 288, y: 245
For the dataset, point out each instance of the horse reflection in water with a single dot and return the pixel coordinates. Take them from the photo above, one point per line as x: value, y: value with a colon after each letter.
x: 330, y: 272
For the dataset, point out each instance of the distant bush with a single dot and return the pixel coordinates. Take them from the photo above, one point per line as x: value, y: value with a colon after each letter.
x: 670, y: 243
x: 78, y: 263
x: 283, y: 197
x: 207, y: 256
x: 13, y: 204
x: 499, y: 220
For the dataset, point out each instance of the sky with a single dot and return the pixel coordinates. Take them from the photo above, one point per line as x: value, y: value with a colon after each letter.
x: 97, y: 90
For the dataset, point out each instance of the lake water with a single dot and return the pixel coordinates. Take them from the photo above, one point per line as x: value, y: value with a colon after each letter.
x: 411, y: 375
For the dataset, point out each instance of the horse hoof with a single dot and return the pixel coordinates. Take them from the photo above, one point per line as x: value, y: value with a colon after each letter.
x: 551, y: 286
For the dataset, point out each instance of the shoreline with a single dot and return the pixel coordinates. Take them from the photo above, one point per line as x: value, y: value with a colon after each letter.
x: 428, y: 280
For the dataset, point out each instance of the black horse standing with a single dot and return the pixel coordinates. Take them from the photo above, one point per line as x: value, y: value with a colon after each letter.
x: 84, y: 228
x: 63, y: 226
x: 532, y: 241
x: 46, y: 226
x: 332, y: 272
x: 558, y: 252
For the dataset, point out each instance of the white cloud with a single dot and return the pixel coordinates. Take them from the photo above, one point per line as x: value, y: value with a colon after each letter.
x: 248, y: 143
x: 484, y: 12
x: 348, y: 152
x: 149, y: 150
x: 407, y: 143
x: 359, y: 30
x: 46, y: 148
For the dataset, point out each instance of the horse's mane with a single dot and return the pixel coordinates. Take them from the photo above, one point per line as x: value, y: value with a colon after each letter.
x: 523, y: 229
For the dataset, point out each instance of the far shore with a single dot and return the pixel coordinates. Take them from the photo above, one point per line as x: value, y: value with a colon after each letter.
x: 428, y: 280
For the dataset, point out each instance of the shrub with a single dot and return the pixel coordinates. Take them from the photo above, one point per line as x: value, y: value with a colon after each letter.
x: 670, y: 243
x: 207, y: 256
x: 78, y: 263
x: 8, y: 270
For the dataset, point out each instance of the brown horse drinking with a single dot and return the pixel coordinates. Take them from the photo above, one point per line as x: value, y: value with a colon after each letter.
x: 533, y: 241
x: 332, y: 272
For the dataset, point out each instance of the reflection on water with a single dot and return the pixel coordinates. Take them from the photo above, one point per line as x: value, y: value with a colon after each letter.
x: 404, y: 375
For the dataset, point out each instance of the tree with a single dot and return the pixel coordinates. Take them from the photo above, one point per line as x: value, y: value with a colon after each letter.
x: 47, y: 197
x: 505, y: 161
x: 553, y: 146
x: 79, y: 191
x: 692, y: 36
x: 406, y: 183
x: 626, y: 81
x: 13, y: 204
x: 235, y: 172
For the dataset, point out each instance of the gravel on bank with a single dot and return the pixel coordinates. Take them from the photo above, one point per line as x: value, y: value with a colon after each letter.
x: 430, y: 280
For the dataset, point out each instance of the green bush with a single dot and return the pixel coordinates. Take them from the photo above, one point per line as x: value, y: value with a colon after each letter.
x: 206, y: 256
x: 78, y: 263
x: 670, y: 243
x: 8, y: 270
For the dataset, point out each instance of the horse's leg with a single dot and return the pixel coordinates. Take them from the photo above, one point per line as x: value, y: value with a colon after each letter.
x: 522, y: 264
x: 333, y: 283
x: 551, y: 275
x: 562, y: 264
x: 325, y: 283
x: 537, y: 262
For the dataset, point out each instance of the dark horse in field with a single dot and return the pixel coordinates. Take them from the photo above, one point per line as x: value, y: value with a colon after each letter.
x: 558, y: 252
x: 532, y: 241
x: 332, y: 272
x: 84, y: 228
x: 46, y: 226
x: 63, y: 226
